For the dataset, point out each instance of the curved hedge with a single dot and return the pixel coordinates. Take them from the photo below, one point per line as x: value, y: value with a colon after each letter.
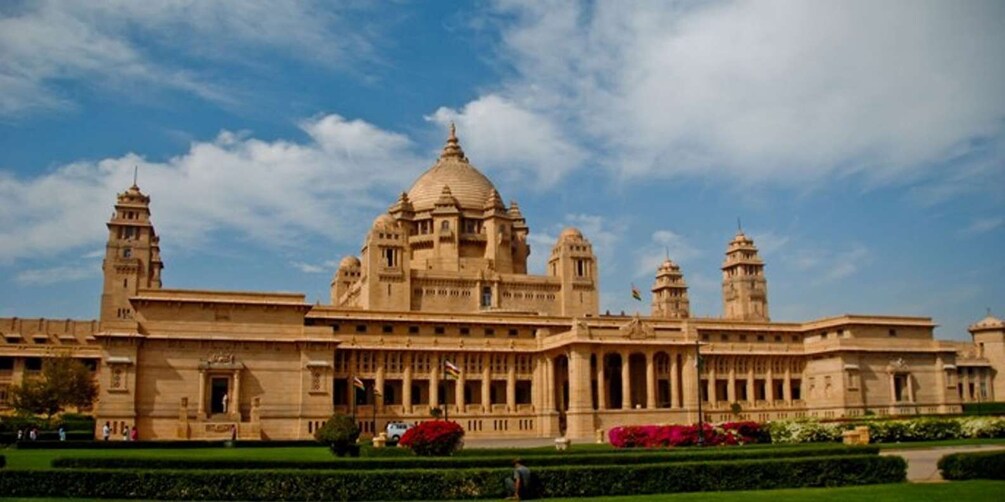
x: 974, y: 465
x: 357, y: 464
x: 436, y: 484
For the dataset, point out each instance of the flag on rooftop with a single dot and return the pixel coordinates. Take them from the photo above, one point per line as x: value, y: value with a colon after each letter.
x: 451, y: 370
x: 636, y: 293
x: 356, y: 382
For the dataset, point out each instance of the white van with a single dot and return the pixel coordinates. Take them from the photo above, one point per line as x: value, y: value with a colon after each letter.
x: 395, y: 430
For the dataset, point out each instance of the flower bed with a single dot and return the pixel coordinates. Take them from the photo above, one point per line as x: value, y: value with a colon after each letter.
x: 656, y: 436
x: 435, y: 438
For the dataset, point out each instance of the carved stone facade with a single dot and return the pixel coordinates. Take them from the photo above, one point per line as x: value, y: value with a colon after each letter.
x: 441, y: 281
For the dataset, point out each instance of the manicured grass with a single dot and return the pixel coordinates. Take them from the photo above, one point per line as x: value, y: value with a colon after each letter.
x: 938, y: 444
x: 971, y: 491
x: 41, y: 459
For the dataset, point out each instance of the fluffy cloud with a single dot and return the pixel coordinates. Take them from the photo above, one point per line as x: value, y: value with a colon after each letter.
x: 508, y: 140
x: 120, y: 43
x: 265, y: 191
x: 781, y: 91
x: 663, y: 244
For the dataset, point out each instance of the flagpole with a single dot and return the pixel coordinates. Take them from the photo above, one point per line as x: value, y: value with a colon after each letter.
x: 697, y: 371
x: 352, y: 405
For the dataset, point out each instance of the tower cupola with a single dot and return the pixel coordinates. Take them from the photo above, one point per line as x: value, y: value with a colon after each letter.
x: 744, y: 287
x: 670, y: 298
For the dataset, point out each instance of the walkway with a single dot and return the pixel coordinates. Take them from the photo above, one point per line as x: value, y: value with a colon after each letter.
x: 922, y: 463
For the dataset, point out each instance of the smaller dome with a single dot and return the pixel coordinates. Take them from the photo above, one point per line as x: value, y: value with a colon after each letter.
x: 571, y: 233
x: 668, y: 264
x: 349, y: 262
x: 989, y: 322
x: 385, y: 220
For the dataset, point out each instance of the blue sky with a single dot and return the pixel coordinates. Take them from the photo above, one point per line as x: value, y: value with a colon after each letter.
x: 861, y: 143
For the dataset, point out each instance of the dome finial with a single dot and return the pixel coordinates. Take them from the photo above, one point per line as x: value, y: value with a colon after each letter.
x: 453, y: 147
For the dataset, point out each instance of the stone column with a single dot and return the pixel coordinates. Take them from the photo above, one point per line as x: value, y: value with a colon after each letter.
x: 201, y: 413
x: 787, y: 388
x: 486, y: 382
x: 434, y: 380
x: 549, y: 383
x: 406, y: 384
x: 601, y: 384
x: 234, y: 407
x: 690, y: 383
x: 712, y: 387
x: 750, y: 383
x: 731, y: 388
x: 580, y: 414
x: 769, y: 388
x: 674, y: 381
x: 626, y: 382
x: 378, y: 384
x: 893, y: 388
x: 910, y: 387
x: 510, y: 383
x: 650, y: 380
x: 459, y: 387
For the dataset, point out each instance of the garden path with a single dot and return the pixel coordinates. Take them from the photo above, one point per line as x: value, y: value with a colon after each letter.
x: 922, y: 463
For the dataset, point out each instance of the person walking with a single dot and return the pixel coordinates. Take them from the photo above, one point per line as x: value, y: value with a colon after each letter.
x: 62, y: 433
x: 125, y: 433
x: 106, y: 431
x: 134, y: 434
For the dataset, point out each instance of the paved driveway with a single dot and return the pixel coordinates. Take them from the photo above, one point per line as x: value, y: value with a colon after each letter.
x: 922, y: 463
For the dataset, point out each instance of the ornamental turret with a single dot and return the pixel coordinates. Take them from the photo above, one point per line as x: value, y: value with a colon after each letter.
x: 670, y: 299
x: 744, y: 287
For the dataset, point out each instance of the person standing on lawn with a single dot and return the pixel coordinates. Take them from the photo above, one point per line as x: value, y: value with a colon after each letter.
x: 106, y: 431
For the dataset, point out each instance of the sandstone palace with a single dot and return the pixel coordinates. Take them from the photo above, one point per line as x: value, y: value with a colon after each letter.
x: 441, y: 283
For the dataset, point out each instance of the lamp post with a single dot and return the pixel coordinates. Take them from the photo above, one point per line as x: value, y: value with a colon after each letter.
x: 697, y: 372
x: 373, y: 421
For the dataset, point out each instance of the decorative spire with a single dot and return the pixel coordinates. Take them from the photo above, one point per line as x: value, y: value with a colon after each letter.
x: 452, y: 150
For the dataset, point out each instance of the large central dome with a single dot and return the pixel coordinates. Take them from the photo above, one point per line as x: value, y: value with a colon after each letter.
x: 468, y: 185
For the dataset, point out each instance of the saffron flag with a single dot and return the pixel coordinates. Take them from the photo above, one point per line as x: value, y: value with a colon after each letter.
x: 451, y: 370
x: 636, y: 294
x: 356, y: 382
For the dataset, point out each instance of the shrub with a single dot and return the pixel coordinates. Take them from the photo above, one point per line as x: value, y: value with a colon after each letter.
x: 460, y: 462
x: 439, y: 484
x: 3, y: 461
x: 975, y: 465
x: 340, y: 433
x: 984, y: 408
x: 983, y: 427
x: 654, y: 436
x: 804, y: 431
x: 434, y: 439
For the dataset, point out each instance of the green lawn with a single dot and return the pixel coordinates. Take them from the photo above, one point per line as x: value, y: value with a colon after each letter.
x: 936, y: 444
x: 971, y: 491
x: 40, y: 459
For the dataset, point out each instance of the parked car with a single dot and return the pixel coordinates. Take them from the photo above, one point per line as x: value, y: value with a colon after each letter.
x: 395, y: 430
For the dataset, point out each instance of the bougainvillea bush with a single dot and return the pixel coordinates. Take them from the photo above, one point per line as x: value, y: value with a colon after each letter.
x: 437, y: 438
x: 656, y: 436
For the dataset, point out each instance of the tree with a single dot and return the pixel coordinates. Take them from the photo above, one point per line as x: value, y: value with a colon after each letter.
x: 63, y: 382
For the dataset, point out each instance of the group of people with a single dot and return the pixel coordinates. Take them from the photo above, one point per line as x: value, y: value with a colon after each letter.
x: 128, y: 433
x: 32, y: 434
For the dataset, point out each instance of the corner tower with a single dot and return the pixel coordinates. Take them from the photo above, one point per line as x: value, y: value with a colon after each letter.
x: 572, y: 261
x: 989, y: 339
x: 132, y: 257
x: 670, y: 293
x: 744, y: 287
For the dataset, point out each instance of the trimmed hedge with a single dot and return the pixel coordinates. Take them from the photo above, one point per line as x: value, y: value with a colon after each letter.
x: 118, y: 444
x: 437, y: 484
x: 975, y: 465
x: 984, y: 408
x: 664, y: 457
x: 3, y: 461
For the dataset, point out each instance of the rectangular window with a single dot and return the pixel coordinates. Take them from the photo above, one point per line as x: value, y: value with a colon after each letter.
x: 490, y: 332
x: 33, y: 364
x: 361, y: 328
x: 413, y: 330
x: 387, y: 328
x: 465, y: 331
x: 439, y: 330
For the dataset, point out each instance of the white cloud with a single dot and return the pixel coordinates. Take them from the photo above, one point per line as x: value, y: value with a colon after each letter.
x: 511, y: 141
x: 115, y: 44
x: 271, y: 192
x: 783, y: 91
x: 983, y: 225
x: 307, y: 268
x: 663, y: 244
x: 52, y: 275
x: 829, y: 265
